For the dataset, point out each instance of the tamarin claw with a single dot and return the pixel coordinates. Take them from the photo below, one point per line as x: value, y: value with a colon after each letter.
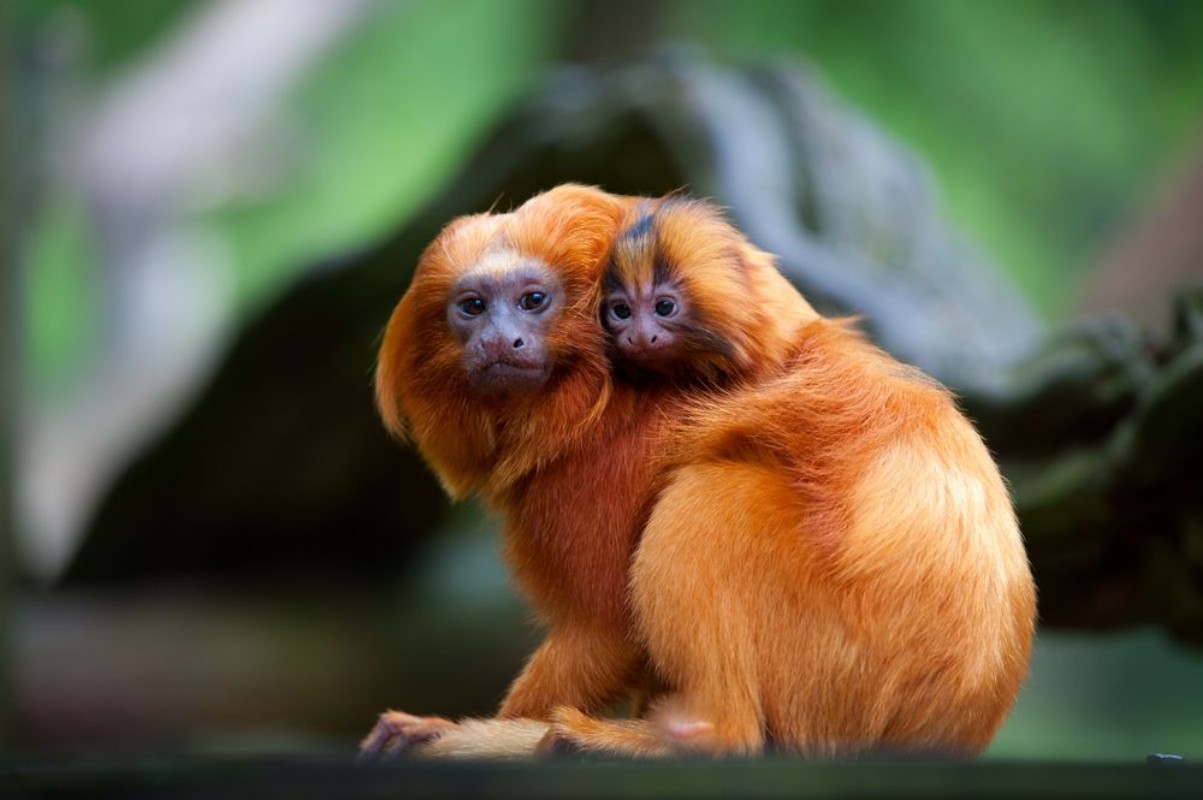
x: 396, y: 731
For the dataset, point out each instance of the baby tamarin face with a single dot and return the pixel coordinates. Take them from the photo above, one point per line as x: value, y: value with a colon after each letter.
x: 653, y: 304
x: 685, y: 295
x: 647, y: 311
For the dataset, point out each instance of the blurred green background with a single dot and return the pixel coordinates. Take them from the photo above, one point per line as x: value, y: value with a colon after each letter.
x: 1049, y: 126
x: 1047, y: 123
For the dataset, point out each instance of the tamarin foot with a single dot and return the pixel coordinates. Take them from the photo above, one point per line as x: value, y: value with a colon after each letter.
x: 396, y: 731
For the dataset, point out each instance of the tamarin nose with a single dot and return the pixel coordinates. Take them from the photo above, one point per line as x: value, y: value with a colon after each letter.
x: 518, y: 343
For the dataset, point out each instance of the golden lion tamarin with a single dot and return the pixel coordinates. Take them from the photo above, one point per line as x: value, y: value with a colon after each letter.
x: 832, y: 564
x: 495, y: 364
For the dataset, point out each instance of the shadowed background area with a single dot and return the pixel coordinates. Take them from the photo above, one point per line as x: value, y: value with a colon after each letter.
x: 209, y: 541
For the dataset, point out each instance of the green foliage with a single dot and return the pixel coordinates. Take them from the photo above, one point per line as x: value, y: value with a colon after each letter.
x: 61, y: 292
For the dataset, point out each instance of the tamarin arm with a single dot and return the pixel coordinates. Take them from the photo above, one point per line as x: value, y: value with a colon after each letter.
x: 578, y: 665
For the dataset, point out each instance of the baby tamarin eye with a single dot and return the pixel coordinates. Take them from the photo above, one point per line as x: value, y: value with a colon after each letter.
x: 665, y: 307
x: 620, y: 311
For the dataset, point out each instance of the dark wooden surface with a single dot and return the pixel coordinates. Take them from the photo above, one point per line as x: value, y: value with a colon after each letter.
x: 334, y: 775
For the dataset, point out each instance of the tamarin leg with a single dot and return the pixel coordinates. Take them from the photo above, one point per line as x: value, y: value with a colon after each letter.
x: 573, y: 730
x: 580, y: 666
x: 711, y: 609
x: 713, y: 582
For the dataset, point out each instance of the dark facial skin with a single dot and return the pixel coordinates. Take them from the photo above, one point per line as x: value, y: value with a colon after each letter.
x: 502, y: 318
x: 647, y: 322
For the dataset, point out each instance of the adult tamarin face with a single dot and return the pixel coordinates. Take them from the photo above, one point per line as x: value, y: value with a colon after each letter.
x: 500, y: 317
x: 502, y: 311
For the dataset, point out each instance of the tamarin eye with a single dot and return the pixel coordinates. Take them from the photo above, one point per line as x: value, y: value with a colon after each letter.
x: 532, y: 300
x: 621, y: 311
x: 665, y: 307
x: 473, y: 306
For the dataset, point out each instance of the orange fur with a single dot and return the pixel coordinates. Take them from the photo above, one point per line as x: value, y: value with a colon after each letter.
x: 834, y: 565
x: 572, y: 513
x: 739, y: 296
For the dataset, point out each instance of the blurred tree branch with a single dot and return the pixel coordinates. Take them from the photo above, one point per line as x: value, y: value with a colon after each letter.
x: 1093, y: 425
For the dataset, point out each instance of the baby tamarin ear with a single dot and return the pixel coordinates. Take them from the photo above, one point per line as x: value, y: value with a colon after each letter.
x: 686, y: 295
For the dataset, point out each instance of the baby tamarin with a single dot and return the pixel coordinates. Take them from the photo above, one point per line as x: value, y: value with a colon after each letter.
x: 772, y: 588
x: 834, y: 565
x: 686, y: 296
